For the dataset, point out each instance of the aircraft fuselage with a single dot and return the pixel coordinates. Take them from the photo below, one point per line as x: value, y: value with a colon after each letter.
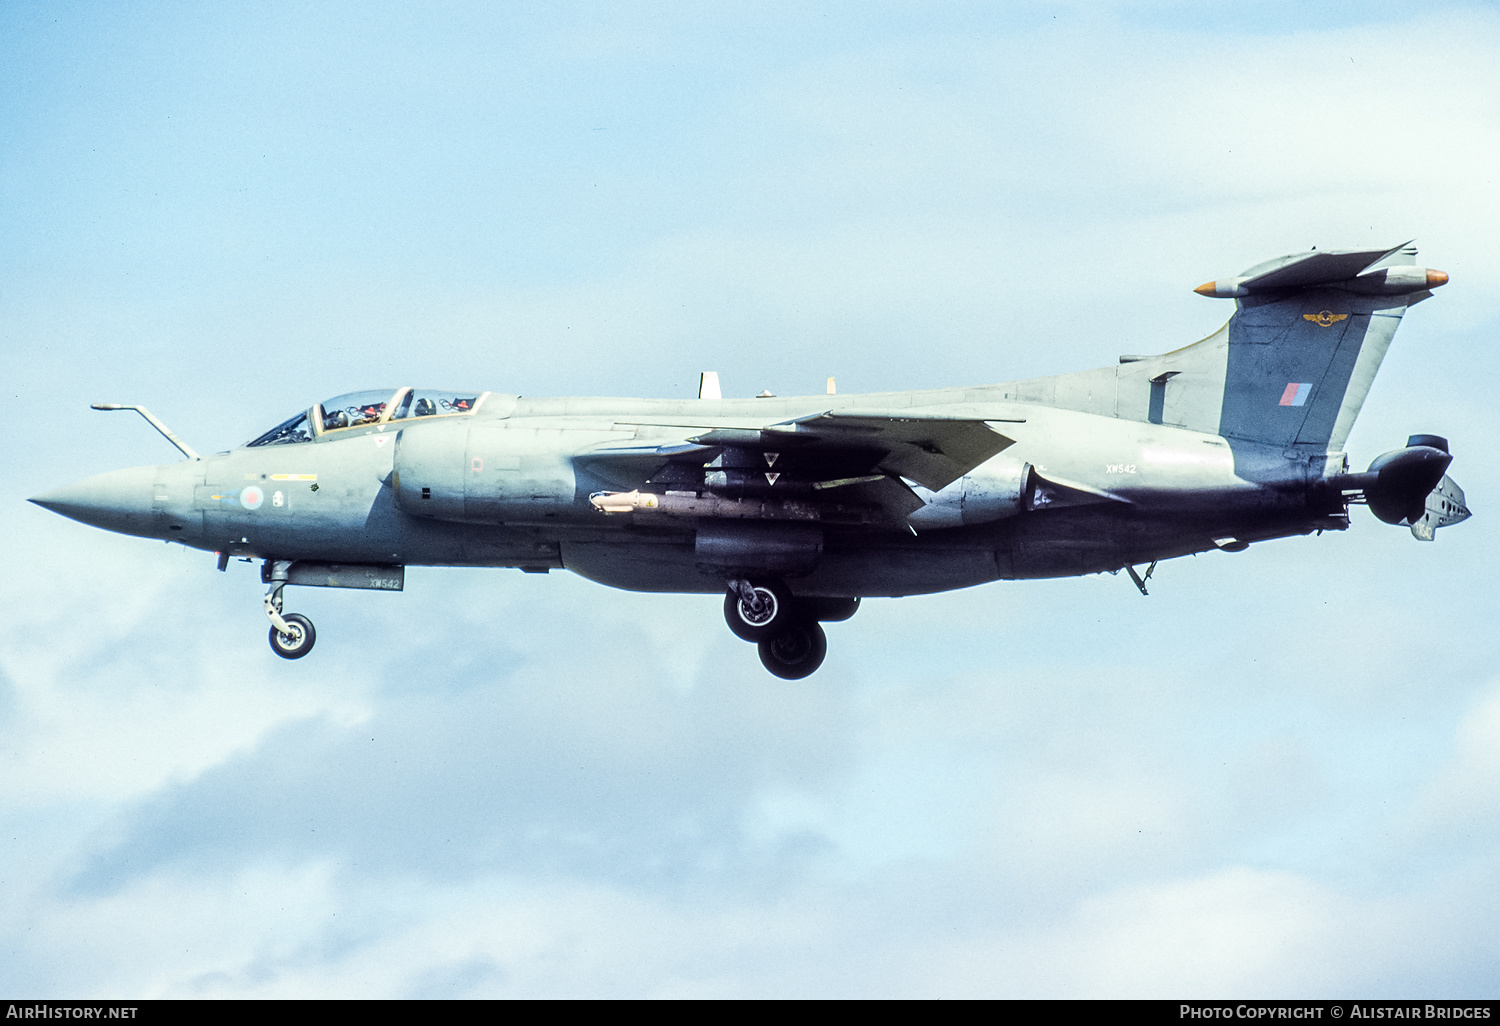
x: 1162, y: 491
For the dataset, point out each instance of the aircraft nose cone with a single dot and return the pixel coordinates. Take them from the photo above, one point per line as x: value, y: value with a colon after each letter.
x: 119, y: 500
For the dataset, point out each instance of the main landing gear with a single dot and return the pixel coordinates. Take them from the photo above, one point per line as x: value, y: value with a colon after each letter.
x: 755, y: 610
x: 292, y: 634
x: 785, y: 629
x: 797, y: 651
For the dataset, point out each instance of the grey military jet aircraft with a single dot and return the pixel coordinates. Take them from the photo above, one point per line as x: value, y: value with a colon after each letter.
x: 797, y: 508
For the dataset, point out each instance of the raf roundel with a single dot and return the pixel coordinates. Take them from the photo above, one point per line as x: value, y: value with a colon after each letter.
x: 251, y: 497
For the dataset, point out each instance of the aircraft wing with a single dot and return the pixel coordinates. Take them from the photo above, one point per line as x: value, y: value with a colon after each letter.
x: 628, y: 465
x: 932, y: 451
x: 831, y: 459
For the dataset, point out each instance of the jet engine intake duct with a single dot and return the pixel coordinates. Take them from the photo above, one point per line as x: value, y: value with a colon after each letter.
x: 429, y: 465
x: 782, y: 549
x: 484, y: 473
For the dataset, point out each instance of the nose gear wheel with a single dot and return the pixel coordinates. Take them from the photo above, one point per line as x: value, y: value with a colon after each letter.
x: 297, y: 640
x: 292, y: 634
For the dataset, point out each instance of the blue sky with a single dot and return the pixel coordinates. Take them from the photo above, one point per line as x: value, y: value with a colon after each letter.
x: 1275, y: 776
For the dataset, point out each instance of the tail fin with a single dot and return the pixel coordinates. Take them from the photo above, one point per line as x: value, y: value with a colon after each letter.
x: 1295, y: 362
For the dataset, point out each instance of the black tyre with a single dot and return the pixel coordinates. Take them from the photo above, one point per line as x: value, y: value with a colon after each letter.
x: 750, y: 624
x: 796, y: 651
x: 298, y: 641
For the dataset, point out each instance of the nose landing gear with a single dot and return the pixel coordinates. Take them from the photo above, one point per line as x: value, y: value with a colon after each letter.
x: 292, y: 634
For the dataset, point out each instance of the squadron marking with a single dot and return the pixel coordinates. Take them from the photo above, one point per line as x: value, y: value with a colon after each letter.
x: 1324, y: 318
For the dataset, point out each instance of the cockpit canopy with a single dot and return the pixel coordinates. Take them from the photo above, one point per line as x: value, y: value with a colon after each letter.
x: 363, y: 409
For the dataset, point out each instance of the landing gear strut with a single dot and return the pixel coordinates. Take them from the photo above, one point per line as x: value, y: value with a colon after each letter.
x: 292, y: 634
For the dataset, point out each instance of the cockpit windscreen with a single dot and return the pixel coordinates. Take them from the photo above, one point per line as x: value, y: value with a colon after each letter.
x: 358, y: 409
x: 296, y: 429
